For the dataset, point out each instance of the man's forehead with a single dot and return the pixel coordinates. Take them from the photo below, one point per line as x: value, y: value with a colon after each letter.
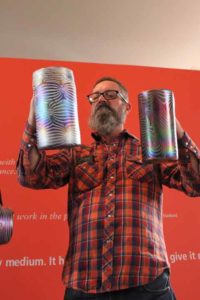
x: 105, y: 85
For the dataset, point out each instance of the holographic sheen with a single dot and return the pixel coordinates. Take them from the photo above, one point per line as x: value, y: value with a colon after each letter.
x: 6, y: 225
x: 57, y: 122
x: 158, y: 125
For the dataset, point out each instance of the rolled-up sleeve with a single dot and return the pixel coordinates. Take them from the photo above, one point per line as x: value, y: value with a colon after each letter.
x: 181, y: 175
x: 51, y: 171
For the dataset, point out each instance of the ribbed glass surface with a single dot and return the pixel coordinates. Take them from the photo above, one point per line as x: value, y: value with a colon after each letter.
x: 6, y: 225
x: 158, y: 125
x: 56, y: 109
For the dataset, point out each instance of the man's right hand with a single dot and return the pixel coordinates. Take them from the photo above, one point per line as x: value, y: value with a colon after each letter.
x: 31, y: 117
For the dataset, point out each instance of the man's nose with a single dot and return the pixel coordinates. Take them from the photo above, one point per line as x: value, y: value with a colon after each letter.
x: 101, y: 98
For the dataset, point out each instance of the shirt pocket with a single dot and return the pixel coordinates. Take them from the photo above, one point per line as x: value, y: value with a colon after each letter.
x: 88, y: 175
x: 136, y: 169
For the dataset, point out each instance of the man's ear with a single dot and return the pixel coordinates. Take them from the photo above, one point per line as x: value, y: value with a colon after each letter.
x: 128, y: 107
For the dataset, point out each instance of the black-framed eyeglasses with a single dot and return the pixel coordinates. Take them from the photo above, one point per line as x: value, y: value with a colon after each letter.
x: 108, y: 95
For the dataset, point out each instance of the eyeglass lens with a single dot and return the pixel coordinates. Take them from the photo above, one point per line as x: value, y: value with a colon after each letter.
x: 108, y: 95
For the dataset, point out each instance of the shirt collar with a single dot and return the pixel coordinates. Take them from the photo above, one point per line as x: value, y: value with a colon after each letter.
x: 97, y: 137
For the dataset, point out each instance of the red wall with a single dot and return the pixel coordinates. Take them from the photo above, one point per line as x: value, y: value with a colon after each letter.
x: 31, y: 264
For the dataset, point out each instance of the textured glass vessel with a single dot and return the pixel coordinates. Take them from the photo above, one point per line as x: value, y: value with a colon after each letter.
x: 57, y: 123
x: 6, y: 223
x: 158, y: 125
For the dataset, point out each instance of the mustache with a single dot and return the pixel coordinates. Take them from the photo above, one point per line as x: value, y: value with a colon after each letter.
x: 103, y: 105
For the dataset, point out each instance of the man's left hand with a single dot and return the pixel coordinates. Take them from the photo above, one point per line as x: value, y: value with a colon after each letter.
x: 179, y: 130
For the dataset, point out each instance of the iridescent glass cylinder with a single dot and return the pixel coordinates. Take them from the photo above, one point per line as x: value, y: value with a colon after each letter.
x: 57, y: 123
x: 158, y: 125
x: 6, y: 225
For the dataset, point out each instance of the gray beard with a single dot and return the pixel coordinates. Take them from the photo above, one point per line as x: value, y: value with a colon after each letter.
x: 104, y: 119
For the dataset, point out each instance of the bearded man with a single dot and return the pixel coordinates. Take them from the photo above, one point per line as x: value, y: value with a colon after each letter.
x: 117, y: 248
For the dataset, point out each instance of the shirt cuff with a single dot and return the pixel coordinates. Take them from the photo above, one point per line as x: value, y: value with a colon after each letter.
x: 186, y: 147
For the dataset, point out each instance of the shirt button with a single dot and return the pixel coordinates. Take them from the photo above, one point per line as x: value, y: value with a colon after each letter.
x: 109, y: 240
x: 29, y: 145
x: 186, y: 143
x: 111, y: 176
x: 110, y: 215
x: 111, y: 193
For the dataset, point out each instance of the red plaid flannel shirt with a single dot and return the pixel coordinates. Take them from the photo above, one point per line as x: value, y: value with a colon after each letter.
x: 114, y: 209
